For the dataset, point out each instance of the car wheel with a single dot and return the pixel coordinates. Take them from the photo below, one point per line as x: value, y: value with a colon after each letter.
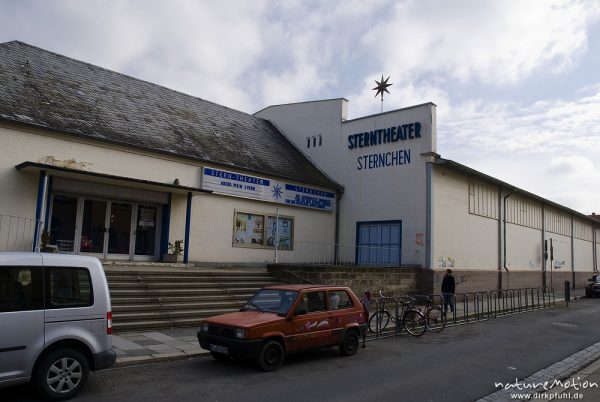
x: 349, y: 345
x: 61, y: 374
x: 270, y: 356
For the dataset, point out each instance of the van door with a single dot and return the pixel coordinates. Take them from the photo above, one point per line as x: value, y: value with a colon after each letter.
x: 70, y: 303
x: 21, y: 316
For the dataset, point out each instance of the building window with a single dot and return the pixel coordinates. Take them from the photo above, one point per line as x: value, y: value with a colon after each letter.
x: 250, y: 231
x: 483, y: 199
x: 523, y: 211
x: 320, y: 139
x: 307, y: 142
x: 314, y: 141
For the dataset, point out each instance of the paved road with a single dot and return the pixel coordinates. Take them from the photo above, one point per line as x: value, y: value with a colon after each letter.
x: 461, y: 364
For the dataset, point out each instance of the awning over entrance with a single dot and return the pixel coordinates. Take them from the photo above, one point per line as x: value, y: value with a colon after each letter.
x: 108, y: 178
x: 108, y: 216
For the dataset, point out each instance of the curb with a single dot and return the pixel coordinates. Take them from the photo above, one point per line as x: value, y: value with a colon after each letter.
x: 157, y: 358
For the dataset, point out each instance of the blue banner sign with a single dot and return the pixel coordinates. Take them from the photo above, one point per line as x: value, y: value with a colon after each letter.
x: 241, y: 185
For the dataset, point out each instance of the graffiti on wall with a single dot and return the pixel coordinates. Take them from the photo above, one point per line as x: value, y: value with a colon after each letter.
x: 446, y: 262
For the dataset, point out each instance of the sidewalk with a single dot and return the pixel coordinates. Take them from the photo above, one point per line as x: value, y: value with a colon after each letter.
x: 156, y: 346
x: 575, y: 378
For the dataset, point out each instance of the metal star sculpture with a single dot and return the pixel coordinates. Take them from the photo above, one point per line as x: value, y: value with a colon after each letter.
x: 381, y: 88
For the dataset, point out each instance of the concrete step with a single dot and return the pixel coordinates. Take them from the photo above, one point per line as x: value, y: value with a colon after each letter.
x: 126, y: 308
x: 187, y: 274
x: 155, y: 324
x: 171, y: 296
x: 190, y: 285
x: 169, y: 315
x: 182, y: 292
x: 136, y: 300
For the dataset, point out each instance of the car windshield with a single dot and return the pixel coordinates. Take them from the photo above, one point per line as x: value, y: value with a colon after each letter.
x: 272, y: 301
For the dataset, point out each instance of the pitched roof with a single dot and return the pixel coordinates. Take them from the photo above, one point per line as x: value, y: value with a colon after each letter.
x: 51, y: 91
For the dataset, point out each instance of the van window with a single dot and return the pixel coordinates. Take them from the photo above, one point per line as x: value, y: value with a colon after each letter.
x: 21, y: 289
x: 68, y: 287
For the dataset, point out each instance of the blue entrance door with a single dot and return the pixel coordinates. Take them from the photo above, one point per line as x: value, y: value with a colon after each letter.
x: 379, y: 243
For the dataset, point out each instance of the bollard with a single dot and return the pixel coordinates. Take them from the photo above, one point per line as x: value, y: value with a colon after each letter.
x: 567, y: 292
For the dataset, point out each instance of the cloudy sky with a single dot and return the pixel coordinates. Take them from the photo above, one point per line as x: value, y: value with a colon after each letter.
x: 517, y: 83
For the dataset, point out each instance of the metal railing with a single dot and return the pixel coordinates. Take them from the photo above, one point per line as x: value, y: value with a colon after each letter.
x: 17, y: 233
x: 315, y: 253
x: 473, y: 307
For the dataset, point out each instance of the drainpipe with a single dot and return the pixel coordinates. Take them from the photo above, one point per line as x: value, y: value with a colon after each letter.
x: 504, y: 217
x: 336, y: 252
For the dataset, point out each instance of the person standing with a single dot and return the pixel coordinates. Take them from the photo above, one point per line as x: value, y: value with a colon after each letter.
x: 448, y: 287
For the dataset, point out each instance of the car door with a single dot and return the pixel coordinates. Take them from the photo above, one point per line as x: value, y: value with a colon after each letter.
x: 21, y: 315
x: 342, y: 310
x: 311, y: 322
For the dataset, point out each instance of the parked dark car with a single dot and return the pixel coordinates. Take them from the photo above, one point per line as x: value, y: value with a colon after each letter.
x: 593, y: 286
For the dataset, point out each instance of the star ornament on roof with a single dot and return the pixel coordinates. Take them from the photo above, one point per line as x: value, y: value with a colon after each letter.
x: 382, y: 86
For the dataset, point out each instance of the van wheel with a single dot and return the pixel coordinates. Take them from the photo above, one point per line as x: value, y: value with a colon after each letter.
x: 270, y: 356
x: 350, y: 343
x: 61, y: 374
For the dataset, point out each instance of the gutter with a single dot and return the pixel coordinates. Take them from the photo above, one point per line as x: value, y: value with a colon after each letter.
x: 504, y: 257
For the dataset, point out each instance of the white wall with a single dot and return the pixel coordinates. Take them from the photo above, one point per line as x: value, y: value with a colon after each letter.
x: 523, y: 248
x: 385, y: 193
x: 461, y: 240
x: 211, y: 233
x: 562, y: 251
x: 584, y: 255
x: 212, y: 215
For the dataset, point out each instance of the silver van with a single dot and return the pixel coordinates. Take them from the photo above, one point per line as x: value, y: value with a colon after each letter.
x: 55, y: 322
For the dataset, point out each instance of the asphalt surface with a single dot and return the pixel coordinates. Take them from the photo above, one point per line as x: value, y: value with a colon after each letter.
x: 462, y: 363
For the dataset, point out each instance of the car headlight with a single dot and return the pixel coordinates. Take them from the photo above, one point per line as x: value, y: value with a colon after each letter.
x: 204, y: 327
x: 240, y: 333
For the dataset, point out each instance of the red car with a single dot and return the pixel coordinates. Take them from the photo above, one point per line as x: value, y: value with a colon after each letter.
x: 286, y: 318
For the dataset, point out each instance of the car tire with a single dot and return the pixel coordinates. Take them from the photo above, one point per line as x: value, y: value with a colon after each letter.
x: 270, y: 356
x: 61, y: 374
x: 350, y: 343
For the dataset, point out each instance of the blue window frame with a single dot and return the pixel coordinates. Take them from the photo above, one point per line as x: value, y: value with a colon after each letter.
x: 379, y: 243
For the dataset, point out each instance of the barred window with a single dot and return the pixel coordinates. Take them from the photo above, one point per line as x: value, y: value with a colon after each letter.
x: 582, y: 230
x: 558, y: 222
x: 523, y: 211
x: 483, y: 199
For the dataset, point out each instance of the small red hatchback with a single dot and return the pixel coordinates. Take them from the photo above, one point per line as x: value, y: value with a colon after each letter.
x: 286, y: 318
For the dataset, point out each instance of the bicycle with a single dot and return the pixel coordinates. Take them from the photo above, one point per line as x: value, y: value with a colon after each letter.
x: 434, y: 315
x: 409, y: 317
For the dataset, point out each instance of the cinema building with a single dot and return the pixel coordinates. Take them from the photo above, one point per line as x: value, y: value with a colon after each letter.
x: 98, y: 163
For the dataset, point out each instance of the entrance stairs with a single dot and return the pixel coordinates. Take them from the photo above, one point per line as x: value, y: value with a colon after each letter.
x: 147, y: 297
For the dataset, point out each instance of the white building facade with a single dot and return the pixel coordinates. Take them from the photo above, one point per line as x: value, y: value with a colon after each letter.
x: 403, y: 202
x: 97, y: 163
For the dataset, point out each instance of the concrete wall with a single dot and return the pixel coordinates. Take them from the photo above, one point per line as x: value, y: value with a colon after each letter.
x: 461, y: 240
x: 212, y: 228
x: 392, y: 281
x: 386, y: 193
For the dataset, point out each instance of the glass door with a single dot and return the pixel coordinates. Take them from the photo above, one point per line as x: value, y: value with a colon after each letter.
x: 146, y: 230
x: 119, y: 229
x: 114, y: 230
x: 93, y: 227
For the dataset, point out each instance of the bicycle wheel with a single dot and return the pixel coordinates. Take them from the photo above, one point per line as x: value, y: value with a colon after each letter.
x: 379, y: 320
x: 436, y: 319
x: 414, y: 322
